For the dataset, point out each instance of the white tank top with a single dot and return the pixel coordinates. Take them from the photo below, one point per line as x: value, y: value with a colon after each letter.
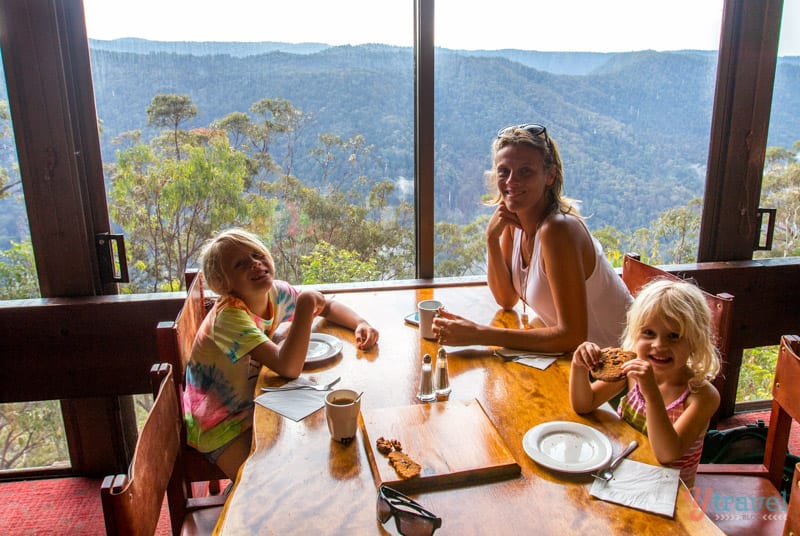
x: 607, y: 297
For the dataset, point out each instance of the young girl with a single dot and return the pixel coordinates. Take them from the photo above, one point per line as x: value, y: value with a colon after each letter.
x: 670, y: 397
x: 233, y: 343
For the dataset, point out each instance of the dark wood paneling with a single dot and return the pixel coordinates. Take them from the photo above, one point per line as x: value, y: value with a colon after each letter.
x: 80, y: 347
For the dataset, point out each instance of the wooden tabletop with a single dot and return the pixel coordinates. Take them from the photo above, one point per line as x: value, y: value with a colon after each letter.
x: 298, y: 481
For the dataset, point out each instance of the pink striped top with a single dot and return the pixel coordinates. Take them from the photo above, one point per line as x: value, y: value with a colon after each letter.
x: 632, y: 409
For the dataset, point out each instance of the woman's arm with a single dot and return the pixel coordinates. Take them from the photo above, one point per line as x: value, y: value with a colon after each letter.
x: 499, y: 246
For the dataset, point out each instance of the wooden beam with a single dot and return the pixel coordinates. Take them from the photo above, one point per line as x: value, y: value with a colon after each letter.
x: 739, y: 126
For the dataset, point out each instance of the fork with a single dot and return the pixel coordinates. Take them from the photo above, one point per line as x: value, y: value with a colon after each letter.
x: 608, y: 473
x: 323, y: 387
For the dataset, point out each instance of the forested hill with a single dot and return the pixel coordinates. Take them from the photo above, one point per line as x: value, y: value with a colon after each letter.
x: 633, y: 127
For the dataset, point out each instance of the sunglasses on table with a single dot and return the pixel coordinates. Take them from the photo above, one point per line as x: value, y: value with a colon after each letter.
x: 533, y: 129
x: 410, y: 518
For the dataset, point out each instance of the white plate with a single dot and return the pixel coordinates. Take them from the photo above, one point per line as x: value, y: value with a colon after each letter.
x: 568, y: 447
x: 322, y: 346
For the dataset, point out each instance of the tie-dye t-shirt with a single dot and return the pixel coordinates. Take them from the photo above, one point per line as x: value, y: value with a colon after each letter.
x: 220, y: 380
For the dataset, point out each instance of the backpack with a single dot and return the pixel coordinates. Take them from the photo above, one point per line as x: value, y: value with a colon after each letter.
x: 745, y: 444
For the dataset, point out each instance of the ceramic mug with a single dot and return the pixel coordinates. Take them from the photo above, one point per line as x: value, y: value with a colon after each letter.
x: 342, y: 407
x: 428, y: 309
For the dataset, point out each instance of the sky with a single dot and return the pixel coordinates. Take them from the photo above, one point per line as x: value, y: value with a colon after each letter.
x: 559, y: 25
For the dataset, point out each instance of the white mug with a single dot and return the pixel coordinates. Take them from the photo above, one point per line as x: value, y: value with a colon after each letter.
x: 427, y: 310
x: 342, y: 407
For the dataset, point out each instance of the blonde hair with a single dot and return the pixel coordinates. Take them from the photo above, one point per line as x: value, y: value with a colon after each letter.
x: 684, y: 305
x: 215, y: 250
x: 552, y: 160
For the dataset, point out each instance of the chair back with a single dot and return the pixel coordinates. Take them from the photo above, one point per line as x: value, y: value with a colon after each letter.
x: 792, y: 525
x: 132, y: 502
x: 636, y: 274
x: 785, y: 407
x: 175, y: 340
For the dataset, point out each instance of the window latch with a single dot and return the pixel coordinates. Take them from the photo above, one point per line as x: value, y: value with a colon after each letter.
x: 111, y: 257
x: 763, y: 239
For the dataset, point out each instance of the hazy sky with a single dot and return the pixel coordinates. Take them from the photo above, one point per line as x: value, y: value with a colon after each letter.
x: 570, y: 25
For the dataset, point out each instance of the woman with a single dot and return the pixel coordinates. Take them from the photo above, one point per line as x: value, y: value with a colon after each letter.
x: 540, y: 251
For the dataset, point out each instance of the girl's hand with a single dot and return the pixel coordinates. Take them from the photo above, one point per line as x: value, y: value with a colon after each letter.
x: 641, y: 372
x: 314, y: 299
x: 587, y: 355
x: 454, y: 329
x: 501, y: 218
x: 366, y: 336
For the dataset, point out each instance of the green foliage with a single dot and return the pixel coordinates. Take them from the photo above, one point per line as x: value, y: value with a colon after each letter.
x: 757, y: 374
x: 169, y: 207
x: 327, y: 264
x: 18, y: 279
x: 32, y: 435
x: 780, y: 189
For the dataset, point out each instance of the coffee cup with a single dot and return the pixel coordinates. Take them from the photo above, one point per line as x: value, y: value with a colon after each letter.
x: 428, y: 309
x: 342, y: 407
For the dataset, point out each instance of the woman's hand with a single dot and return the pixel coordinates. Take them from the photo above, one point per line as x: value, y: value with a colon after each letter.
x: 587, y: 355
x: 454, y: 329
x: 501, y: 218
x: 366, y: 336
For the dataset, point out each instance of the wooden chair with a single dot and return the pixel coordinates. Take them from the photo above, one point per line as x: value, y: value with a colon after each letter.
x: 132, y: 503
x: 636, y: 274
x: 792, y: 525
x: 758, y: 487
x: 175, y: 340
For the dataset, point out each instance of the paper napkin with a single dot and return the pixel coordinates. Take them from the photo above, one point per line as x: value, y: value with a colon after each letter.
x: 470, y: 349
x: 297, y: 404
x: 512, y: 353
x: 540, y: 363
x: 639, y: 485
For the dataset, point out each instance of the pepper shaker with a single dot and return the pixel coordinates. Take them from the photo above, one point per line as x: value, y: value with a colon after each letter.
x: 442, y: 381
x: 426, y: 392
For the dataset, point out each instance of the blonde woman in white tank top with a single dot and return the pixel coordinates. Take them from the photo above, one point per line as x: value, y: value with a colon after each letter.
x: 540, y: 252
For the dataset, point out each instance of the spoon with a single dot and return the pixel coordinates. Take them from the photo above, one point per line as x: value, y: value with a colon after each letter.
x: 607, y: 473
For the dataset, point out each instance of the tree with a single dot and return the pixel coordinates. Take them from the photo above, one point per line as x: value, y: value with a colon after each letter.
x: 6, y: 183
x: 170, y: 111
x: 781, y: 190
x: 169, y: 207
x: 18, y: 278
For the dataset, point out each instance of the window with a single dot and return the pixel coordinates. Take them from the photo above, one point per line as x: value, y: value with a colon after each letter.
x: 264, y: 116
x: 625, y: 88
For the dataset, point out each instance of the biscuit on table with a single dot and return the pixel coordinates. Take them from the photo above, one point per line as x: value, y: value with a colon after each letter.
x: 406, y: 467
x: 609, y: 369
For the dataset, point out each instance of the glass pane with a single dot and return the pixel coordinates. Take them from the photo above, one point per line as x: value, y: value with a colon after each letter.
x: 780, y: 187
x: 625, y: 88
x: 292, y: 119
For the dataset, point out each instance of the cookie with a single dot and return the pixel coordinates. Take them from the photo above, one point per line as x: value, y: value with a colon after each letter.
x: 385, y: 446
x: 609, y: 369
x: 403, y: 464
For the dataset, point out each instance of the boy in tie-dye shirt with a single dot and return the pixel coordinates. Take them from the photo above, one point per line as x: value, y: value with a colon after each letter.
x: 234, y: 340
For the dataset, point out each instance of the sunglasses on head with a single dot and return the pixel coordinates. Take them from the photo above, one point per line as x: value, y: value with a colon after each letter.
x: 410, y: 518
x: 533, y: 129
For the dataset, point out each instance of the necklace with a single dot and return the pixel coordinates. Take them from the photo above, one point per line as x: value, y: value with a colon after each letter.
x: 523, y: 291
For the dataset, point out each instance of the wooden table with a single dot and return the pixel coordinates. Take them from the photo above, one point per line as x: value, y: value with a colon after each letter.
x: 298, y: 481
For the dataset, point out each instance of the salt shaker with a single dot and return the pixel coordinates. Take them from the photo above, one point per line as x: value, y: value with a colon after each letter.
x: 442, y: 379
x: 426, y: 391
